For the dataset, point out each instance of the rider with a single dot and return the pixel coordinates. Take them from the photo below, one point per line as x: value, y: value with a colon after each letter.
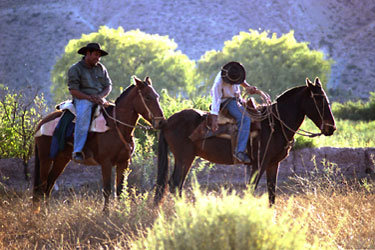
x: 89, y: 84
x: 226, y: 89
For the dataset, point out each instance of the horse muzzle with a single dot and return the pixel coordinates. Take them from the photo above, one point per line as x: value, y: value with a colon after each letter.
x: 328, y: 129
x: 158, y: 122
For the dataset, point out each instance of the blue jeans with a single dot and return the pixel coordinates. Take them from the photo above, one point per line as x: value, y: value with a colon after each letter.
x: 243, y: 124
x: 83, y: 120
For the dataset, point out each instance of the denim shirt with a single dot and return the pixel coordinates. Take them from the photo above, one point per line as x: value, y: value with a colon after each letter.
x: 90, y: 81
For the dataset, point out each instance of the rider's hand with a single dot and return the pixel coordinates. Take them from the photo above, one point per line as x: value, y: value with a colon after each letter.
x: 97, y: 100
x: 252, y: 90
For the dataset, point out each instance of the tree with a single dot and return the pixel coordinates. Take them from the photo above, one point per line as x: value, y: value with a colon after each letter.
x: 130, y: 53
x: 273, y: 64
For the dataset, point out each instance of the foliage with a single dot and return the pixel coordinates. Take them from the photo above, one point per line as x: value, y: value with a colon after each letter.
x: 303, y: 142
x: 171, y: 105
x: 18, y: 119
x: 130, y: 53
x: 272, y: 63
x: 227, y: 222
x: 359, y: 110
x: 354, y: 134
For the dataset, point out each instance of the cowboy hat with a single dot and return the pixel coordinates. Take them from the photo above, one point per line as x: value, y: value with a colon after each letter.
x: 92, y: 47
x: 233, y: 73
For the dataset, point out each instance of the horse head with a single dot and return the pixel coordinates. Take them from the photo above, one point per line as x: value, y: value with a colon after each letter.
x: 147, y: 104
x: 318, y: 108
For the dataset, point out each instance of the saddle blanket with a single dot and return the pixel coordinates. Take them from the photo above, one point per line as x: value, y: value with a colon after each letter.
x: 98, y: 123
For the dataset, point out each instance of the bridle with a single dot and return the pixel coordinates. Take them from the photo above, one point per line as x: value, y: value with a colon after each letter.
x: 150, y: 114
x: 321, y: 115
x: 304, y: 132
x: 116, y: 121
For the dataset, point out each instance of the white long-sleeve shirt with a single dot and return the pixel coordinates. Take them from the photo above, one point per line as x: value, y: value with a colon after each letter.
x: 221, y: 91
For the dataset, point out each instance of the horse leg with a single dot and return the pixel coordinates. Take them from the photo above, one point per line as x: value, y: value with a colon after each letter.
x: 253, y: 170
x: 120, y: 168
x: 59, y: 164
x: 271, y: 182
x: 181, y: 169
x: 42, y: 168
x: 106, y: 175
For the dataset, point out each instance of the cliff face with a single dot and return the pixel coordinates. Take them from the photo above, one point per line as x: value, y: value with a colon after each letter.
x: 33, y: 33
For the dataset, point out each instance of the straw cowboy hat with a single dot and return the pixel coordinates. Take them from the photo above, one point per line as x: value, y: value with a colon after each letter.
x: 92, y: 47
x: 233, y: 73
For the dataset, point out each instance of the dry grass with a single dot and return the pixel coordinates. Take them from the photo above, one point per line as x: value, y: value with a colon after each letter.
x: 342, y: 212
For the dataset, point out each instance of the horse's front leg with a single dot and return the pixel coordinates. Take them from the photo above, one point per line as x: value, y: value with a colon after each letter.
x: 120, y: 171
x: 106, y: 175
x: 271, y: 173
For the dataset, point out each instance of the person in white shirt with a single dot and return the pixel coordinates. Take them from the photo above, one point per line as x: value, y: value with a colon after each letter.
x: 226, y: 94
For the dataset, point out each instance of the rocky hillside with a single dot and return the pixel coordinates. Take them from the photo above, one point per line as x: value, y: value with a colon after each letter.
x: 33, y: 33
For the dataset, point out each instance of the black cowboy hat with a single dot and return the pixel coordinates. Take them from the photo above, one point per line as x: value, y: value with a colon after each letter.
x: 233, y: 73
x: 92, y: 47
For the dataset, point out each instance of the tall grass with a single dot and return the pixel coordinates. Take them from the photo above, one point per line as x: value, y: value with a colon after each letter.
x: 320, y: 210
x: 337, y: 208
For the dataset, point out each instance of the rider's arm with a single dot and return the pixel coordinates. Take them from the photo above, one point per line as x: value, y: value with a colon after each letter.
x: 216, y: 93
x: 105, y: 91
x: 250, y: 89
x: 254, y: 90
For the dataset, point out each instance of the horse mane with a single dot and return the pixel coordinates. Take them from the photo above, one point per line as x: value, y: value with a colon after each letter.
x: 288, y: 93
x: 124, y: 93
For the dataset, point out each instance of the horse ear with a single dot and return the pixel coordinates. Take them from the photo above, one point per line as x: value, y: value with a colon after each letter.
x: 138, y: 81
x: 148, y: 80
x: 317, y: 82
x: 308, y: 82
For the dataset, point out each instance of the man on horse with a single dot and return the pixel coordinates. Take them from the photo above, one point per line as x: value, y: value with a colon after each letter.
x: 89, y: 84
x: 226, y: 94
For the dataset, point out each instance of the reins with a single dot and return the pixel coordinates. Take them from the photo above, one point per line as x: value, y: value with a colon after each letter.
x: 116, y: 121
x: 128, y: 125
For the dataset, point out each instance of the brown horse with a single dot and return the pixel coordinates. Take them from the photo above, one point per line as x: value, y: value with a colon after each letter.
x: 282, y: 120
x: 113, y: 147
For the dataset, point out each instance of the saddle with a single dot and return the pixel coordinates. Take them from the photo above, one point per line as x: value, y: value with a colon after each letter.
x: 98, y: 122
x: 62, y: 128
x: 228, y: 126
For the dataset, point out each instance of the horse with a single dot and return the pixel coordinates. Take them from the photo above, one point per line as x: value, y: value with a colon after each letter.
x: 281, y: 121
x: 113, y: 147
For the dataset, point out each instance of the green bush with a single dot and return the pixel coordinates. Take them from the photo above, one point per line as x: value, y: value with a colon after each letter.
x: 356, y: 111
x: 226, y: 222
x: 19, y: 116
x: 272, y: 63
x: 130, y: 53
x: 303, y: 142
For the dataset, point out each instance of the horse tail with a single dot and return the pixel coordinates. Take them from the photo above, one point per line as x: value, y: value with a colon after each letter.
x: 36, y: 169
x: 163, y: 170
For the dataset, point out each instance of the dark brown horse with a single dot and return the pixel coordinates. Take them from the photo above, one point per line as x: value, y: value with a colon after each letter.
x: 282, y: 120
x: 113, y: 147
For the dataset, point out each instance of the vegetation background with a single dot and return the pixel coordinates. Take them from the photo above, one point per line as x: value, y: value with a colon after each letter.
x: 34, y: 33
x: 181, y: 45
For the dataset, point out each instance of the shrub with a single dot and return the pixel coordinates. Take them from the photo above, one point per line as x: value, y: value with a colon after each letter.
x: 227, y: 222
x: 18, y: 118
x: 357, y: 110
